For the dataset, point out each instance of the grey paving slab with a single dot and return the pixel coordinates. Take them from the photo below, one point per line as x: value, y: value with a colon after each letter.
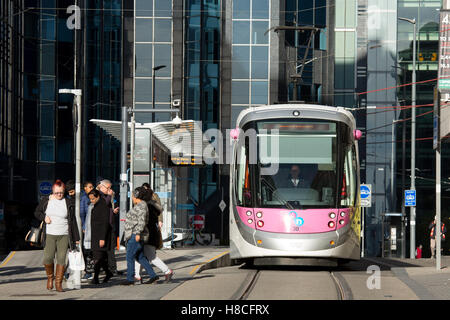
x: 22, y: 276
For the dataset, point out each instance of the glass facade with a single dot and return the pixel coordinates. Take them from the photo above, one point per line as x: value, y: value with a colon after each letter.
x: 11, y: 96
x: 102, y: 92
x: 345, y: 52
x: 311, y: 13
x: 202, y: 86
x: 250, y: 55
x: 426, y: 13
x: 153, y: 48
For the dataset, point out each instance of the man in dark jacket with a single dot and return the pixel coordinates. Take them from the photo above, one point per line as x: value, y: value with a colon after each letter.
x: 107, y: 195
x: 84, y: 206
x: 100, y: 235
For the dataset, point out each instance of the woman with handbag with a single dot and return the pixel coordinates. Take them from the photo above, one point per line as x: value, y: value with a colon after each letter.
x: 155, y: 238
x: 99, y: 235
x: 60, y: 232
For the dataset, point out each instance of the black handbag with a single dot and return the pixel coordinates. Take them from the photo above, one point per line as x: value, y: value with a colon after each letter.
x: 89, y: 262
x: 35, y: 236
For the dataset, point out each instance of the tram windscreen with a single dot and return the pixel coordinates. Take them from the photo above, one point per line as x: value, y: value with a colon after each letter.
x: 303, y: 154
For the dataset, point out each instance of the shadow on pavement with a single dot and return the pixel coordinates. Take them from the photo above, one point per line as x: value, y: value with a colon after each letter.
x: 12, y: 271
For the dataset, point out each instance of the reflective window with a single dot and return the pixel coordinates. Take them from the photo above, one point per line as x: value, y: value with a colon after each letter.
x: 163, y: 57
x: 258, y: 30
x: 163, y: 8
x: 259, y: 92
x: 48, y: 58
x: 143, y: 89
x: 163, y: 30
x: 47, y: 119
x: 241, y: 32
x: 144, y: 30
x: 260, y: 9
x: 48, y: 27
x: 240, y: 92
x: 47, y: 86
x: 46, y: 149
x: 241, y: 9
x: 143, y: 60
x: 260, y: 59
x: 240, y: 66
x: 64, y: 153
x: 144, y: 8
x: 162, y: 90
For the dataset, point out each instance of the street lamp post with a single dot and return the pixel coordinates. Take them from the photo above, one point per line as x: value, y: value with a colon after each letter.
x: 153, y: 88
x: 77, y: 105
x: 412, y: 223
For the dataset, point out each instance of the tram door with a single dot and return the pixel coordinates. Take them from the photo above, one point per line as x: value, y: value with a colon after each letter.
x: 392, y: 234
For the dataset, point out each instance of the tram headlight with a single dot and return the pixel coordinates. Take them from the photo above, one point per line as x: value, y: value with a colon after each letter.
x: 342, y: 214
x: 332, y: 215
x: 331, y: 224
x: 250, y: 221
x: 341, y: 222
x: 259, y: 215
x: 296, y: 113
x: 249, y: 213
x: 260, y: 223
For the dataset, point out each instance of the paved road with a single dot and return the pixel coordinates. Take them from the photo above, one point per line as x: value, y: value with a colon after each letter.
x: 23, y: 277
x: 293, y: 283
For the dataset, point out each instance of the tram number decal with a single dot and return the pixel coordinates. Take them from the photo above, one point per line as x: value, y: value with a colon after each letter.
x: 298, y: 221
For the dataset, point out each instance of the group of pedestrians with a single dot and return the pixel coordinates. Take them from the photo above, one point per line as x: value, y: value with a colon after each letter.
x: 98, y: 219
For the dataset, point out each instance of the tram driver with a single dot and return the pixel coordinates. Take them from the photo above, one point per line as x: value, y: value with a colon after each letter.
x: 294, y: 180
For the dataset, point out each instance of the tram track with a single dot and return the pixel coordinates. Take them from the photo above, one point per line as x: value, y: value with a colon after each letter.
x: 343, y: 291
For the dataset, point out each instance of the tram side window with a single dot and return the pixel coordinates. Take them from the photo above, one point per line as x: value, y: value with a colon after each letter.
x: 242, y: 178
x: 348, y: 193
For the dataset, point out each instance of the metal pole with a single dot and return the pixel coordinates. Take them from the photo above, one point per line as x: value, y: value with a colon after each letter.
x: 403, y: 183
x: 123, y: 171
x: 392, y: 166
x: 132, y: 156
x: 438, y: 205
x: 437, y: 104
x: 77, y: 99
x: 153, y: 95
x: 362, y: 231
x: 413, y: 150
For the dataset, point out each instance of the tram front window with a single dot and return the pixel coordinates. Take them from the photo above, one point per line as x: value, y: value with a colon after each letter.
x: 305, y: 153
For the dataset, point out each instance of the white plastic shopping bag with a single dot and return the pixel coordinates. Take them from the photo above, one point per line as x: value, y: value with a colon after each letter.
x: 76, y: 260
x: 76, y: 265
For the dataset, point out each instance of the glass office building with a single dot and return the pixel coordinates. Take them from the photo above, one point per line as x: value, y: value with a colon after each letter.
x: 37, y: 59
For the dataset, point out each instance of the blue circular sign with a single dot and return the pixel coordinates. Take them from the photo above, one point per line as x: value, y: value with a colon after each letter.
x: 365, y: 192
x: 45, y: 188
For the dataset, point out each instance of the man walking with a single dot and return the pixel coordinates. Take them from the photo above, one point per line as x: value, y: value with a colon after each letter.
x: 107, y: 194
x: 432, y: 227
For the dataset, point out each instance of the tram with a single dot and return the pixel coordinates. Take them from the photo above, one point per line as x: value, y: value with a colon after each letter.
x: 294, y: 185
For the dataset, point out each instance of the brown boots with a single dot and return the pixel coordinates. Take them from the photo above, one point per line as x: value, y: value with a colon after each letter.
x: 49, y: 270
x: 59, y: 277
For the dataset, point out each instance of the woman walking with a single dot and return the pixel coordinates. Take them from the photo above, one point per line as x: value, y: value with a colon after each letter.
x: 60, y: 232
x: 154, y: 228
x: 98, y: 235
x: 136, y: 234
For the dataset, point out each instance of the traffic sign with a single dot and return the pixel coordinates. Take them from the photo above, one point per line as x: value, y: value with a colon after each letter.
x: 45, y: 188
x: 410, y: 198
x: 366, y: 195
x: 222, y: 205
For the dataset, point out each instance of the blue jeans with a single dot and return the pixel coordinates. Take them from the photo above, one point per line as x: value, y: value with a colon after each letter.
x: 135, y: 252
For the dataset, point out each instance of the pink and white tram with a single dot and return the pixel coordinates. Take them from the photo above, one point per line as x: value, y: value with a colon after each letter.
x: 294, y: 185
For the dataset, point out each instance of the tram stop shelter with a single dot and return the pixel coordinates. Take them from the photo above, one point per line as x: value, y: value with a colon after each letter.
x: 162, y: 151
